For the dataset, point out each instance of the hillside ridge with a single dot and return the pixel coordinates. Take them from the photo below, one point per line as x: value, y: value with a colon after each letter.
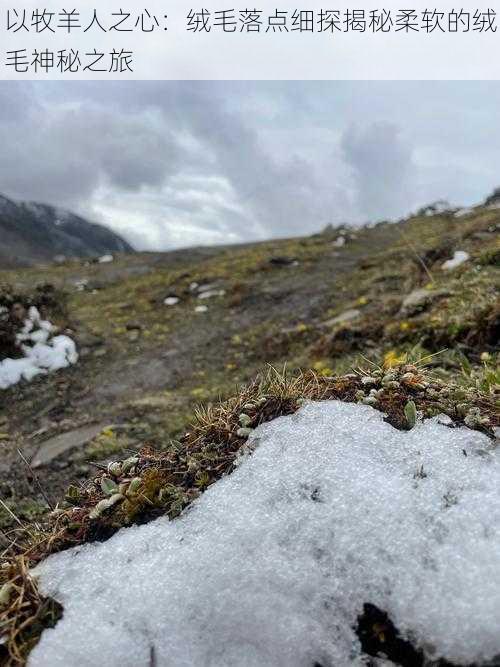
x: 32, y: 233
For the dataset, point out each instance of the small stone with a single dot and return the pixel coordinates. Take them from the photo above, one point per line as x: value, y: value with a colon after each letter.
x: 347, y: 316
x: 419, y: 300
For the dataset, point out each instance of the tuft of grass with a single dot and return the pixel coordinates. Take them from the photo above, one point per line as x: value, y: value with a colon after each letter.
x: 24, y: 613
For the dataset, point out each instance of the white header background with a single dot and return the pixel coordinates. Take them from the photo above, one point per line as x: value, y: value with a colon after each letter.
x: 176, y: 53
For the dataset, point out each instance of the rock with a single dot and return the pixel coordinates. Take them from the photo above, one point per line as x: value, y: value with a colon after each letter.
x: 95, y: 286
x: 211, y: 293
x: 283, y: 261
x: 493, y: 199
x: 344, y: 317
x: 201, y: 309
x: 419, y: 300
x: 88, y: 339
x: 59, y: 444
x: 481, y: 236
x: 205, y: 287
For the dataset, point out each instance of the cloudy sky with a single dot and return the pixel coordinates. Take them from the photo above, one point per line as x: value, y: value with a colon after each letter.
x: 170, y: 164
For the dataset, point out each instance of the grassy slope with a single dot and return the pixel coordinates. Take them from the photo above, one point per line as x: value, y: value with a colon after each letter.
x: 146, y: 383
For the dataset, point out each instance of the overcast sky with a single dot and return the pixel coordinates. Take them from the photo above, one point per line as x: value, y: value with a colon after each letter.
x: 170, y: 164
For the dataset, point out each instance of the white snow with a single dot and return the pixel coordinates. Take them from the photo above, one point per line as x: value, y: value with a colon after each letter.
x: 459, y: 258
x: 271, y: 567
x: 81, y: 284
x: 171, y: 301
x: 106, y: 259
x: 211, y: 293
x: 59, y: 352
x: 201, y: 309
x: 42, y: 351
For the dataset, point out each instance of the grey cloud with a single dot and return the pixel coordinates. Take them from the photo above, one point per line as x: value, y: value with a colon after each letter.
x: 174, y: 163
x: 64, y: 154
x: 383, y: 168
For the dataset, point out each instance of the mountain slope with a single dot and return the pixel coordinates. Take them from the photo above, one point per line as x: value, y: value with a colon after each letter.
x: 32, y: 232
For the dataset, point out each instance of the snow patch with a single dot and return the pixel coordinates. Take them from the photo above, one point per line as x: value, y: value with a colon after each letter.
x: 209, y: 294
x: 272, y: 566
x: 171, y: 301
x: 43, y: 352
x: 459, y: 258
x: 106, y: 259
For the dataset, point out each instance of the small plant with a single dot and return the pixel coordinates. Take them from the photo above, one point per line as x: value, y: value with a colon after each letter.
x: 411, y: 414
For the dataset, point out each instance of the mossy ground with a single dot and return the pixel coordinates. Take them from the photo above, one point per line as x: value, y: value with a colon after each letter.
x: 146, y: 367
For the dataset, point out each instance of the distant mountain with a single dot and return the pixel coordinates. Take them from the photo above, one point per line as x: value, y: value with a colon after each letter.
x: 31, y: 233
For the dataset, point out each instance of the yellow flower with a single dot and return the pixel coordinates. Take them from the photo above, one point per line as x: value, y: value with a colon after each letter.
x: 404, y: 326
x: 302, y: 327
x: 322, y: 368
x: 392, y: 358
x: 362, y: 301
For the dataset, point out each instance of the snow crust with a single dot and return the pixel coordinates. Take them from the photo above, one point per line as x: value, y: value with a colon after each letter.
x: 459, y: 258
x: 106, y: 259
x: 171, y: 301
x: 43, y: 352
x: 271, y: 567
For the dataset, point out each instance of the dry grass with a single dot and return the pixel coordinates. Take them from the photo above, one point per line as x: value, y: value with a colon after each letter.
x: 24, y: 612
